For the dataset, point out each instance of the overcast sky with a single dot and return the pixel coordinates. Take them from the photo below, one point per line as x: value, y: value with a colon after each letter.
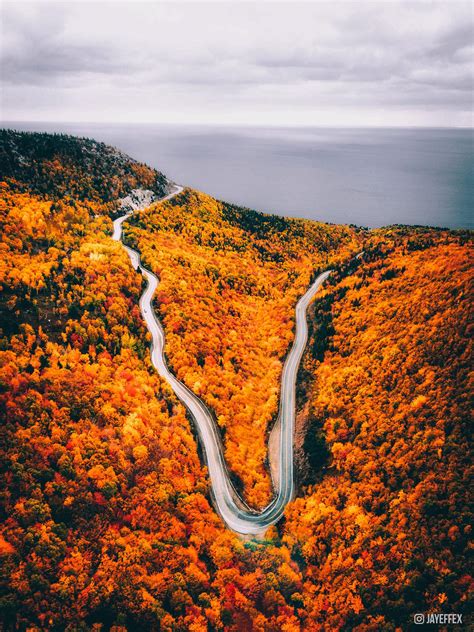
x: 285, y: 63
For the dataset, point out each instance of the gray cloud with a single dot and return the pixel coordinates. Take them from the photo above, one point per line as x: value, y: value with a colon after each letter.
x: 36, y: 50
x: 52, y: 63
x: 255, y: 60
x: 457, y: 39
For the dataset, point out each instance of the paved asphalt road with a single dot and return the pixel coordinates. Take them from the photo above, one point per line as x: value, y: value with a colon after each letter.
x: 233, y: 510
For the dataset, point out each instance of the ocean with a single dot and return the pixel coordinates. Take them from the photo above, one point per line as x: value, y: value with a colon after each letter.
x: 366, y: 176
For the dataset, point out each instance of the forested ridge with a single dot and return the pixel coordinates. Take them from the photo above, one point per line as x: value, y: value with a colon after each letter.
x: 58, y: 165
x: 390, y: 399
x: 228, y: 288
x: 106, y: 515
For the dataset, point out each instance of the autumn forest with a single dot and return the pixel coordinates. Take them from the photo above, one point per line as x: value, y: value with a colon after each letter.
x: 107, y: 515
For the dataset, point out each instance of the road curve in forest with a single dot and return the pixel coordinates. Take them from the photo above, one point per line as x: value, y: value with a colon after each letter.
x: 237, y: 515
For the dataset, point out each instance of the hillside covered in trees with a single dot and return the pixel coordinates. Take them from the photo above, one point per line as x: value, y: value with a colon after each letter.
x: 229, y: 282
x: 107, y: 521
x: 58, y: 166
x: 389, y: 521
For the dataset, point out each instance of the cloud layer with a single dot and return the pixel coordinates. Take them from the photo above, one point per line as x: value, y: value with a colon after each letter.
x: 280, y: 63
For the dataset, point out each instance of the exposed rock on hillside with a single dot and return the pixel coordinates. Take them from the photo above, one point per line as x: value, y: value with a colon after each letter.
x: 137, y: 199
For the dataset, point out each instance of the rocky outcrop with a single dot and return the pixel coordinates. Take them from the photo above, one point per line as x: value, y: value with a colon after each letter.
x: 137, y: 200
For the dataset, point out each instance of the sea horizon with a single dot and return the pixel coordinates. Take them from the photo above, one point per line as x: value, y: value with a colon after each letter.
x: 367, y: 175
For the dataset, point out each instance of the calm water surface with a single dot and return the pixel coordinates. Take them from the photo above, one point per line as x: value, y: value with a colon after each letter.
x: 369, y: 177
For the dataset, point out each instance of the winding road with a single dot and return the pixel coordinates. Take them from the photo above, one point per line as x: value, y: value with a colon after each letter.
x: 237, y: 515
